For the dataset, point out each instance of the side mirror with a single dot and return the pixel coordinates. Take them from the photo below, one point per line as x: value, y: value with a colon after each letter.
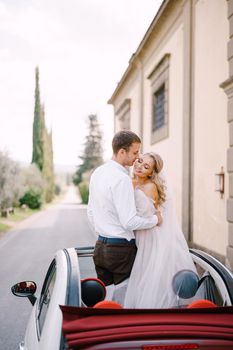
x: 93, y: 290
x: 185, y: 284
x: 25, y: 289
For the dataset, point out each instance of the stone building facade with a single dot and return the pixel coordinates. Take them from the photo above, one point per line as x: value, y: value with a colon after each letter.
x: 228, y: 88
x: 177, y: 94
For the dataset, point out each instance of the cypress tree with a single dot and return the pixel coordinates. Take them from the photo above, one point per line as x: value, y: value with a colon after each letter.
x: 42, y: 154
x: 93, y: 151
x: 48, y: 171
x: 38, y: 127
x: 51, y: 187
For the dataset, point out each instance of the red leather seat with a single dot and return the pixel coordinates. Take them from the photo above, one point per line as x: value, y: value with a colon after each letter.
x: 203, y: 303
x: 107, y: 304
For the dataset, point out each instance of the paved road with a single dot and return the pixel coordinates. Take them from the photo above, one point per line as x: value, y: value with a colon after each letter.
x: 26, y: 252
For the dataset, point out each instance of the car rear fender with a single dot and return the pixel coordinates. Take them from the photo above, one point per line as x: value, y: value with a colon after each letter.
x: 222, y: 276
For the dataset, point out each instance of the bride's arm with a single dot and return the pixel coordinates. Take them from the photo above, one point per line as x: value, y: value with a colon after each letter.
x: 151, y: 191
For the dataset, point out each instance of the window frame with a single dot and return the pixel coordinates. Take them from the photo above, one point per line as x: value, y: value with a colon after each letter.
x: 123, y: 115
x: 159, y: 77
x: 154, y: 120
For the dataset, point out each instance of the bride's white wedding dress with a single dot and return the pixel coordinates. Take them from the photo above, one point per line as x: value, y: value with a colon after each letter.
x: 162, y: 251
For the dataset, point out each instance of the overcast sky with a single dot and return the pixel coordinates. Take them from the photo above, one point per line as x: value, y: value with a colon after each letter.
x: 82, y: 48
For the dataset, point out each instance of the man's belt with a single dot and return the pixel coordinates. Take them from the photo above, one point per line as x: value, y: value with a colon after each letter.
x: 109, y: 240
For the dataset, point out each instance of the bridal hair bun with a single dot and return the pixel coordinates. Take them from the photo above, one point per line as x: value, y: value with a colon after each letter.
x: 158, y: 161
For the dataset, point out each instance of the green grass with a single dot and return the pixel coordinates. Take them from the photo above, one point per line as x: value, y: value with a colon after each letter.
x: 4, y: 227
x: 19, y: 214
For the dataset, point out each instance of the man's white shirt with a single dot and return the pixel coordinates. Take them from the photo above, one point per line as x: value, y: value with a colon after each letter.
x: 111, y: 207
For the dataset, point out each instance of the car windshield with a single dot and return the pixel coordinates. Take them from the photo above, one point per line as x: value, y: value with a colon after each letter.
x: 86, y: 265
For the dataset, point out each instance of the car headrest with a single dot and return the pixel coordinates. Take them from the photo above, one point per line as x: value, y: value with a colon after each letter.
x: 108, y: 304
x: 203, y: 303
x: 185, y: 283
x: 93, y: 290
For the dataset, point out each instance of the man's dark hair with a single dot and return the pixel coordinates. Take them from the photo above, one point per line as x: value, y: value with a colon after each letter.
x: 124, y: 139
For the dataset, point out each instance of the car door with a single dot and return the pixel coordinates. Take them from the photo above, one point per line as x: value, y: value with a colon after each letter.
x: 44, y: 327
x: 45, y: 297
x: 61, y: 287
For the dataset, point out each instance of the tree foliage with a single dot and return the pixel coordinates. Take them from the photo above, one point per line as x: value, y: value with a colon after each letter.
x: 38, y: 127
x: 18, y: 184
x: 32, y: 199
x: 31, y: 178
x: 93, y: 151
x: 84, y: 191
x: 10, y: 182
x: 37, y: 182
x: 48, y: 170
x: 42, y: 154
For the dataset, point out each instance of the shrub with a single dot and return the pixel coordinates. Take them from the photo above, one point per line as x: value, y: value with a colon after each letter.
x: 33, y: 187
x: 57, y: 189
x: 84, y: 191
x: 32, y: 198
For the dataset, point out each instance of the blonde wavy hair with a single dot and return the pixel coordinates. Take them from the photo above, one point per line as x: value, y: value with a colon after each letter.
x: 156, y: 178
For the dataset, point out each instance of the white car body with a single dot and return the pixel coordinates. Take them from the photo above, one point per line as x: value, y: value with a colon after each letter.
x: 50, y: 336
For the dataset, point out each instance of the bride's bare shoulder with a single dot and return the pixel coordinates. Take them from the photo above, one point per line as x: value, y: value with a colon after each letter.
x: 150, y: 186
x: 151, y: 191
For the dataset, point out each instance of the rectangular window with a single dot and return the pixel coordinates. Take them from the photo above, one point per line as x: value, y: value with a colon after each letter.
x: 123, y: 115
x: 158, y: 109
x: 159, y: 79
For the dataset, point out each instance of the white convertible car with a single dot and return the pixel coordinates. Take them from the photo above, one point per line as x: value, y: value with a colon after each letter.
x: 60, y: 318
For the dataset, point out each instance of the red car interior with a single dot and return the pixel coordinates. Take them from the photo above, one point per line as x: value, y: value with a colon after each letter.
x: 84, y: 327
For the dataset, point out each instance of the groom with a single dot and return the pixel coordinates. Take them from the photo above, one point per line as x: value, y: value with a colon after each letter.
x: 111, y: 211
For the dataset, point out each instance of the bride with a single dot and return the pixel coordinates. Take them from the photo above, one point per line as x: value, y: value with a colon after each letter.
x: 162, y: 250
